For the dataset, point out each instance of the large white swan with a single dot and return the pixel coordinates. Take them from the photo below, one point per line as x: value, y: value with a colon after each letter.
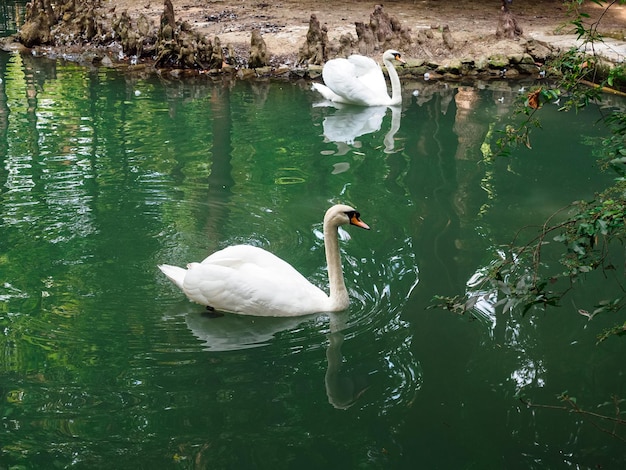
x: 251, y: 281
x: 359, y: 80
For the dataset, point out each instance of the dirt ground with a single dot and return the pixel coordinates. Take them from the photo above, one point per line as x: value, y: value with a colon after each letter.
x: 284, y: 23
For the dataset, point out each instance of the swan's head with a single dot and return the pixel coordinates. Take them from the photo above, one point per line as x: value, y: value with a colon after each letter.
x: 392, y: 55
x: 341, y: 214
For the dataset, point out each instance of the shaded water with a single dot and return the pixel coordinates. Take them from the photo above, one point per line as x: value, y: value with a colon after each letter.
x: 11, y: 16
x: 104, y: 364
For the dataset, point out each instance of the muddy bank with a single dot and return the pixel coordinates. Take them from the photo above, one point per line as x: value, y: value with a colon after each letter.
x: 173, y: 40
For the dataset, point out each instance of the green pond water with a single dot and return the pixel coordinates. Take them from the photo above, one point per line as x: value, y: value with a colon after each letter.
x: 11, y: 13
x: 105, y: 364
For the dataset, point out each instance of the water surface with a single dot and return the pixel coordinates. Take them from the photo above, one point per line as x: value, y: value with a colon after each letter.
x: 105, y: 364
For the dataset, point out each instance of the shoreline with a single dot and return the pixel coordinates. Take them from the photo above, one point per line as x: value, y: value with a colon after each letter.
x: 125, y: 35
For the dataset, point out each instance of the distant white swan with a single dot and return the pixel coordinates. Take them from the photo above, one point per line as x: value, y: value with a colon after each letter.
x: 359, y: 80
x: 251, y: 281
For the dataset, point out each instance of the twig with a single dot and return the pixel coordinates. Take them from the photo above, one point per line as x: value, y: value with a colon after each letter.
x: 573, y: 407
x: 604, y: 89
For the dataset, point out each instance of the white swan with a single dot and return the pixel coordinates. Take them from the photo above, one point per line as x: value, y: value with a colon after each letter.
x: 359, y: 80
x: 251, y: 281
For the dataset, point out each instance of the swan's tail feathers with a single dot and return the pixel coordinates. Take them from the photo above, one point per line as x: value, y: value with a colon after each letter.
x: 316, y: 87
x: 326, y: 92
x: 174, y: 274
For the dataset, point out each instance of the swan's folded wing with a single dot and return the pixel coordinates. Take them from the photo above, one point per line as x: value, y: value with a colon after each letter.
x: 217, y: 286
x: 369, y: 73
x: 341, y: 76
x: 237, y: 255
x: 362, y: 64
x: 250, y: 289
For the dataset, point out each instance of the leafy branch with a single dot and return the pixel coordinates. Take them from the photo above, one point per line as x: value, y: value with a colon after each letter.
x: 580, y: 236
x: 614, y: 423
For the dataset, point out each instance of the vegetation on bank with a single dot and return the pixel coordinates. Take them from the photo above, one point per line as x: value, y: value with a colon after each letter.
x: 584, y: 240
x: 586, y: 236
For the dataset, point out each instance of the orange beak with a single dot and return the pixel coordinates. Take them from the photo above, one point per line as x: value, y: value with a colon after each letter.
x: 354, y: 220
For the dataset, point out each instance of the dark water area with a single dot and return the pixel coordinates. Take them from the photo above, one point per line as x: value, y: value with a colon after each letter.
x: 105, y: 364
x: 11, y: 16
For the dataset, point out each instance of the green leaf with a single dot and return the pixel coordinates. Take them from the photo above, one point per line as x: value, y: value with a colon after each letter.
x: 602, y: 226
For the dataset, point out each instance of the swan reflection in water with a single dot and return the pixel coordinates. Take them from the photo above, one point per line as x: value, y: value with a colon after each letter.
x: 351, y: 122
x: 235, y: 332
x: 344, y: 383
x: 342, y: 389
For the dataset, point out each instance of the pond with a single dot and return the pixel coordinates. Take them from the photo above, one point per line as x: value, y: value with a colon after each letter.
x: 11, y: 14
x: 105, y: 364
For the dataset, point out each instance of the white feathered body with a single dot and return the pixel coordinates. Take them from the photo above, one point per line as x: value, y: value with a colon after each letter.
x: 359, y: 80
x: 253, y: 280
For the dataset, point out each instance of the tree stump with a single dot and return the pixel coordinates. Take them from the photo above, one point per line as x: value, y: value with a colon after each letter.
x: 313, y: 51
x: 258, y: 51
x: 507, y: 24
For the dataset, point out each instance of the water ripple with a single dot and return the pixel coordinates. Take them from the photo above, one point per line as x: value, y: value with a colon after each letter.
x: 370, y: 336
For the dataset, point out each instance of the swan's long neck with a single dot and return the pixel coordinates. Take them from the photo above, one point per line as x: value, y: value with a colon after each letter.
x: 338, y: 292
x: 396, y: 91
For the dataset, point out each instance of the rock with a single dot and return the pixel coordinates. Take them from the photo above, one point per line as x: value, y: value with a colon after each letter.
x: 453, y: 66
x: 412, y: 62
x: 527, y: 68
x: 481, y: 63
x: 523, y: 63
x: 315, y: 71
x: 539, y: 50
x: 498, y: 61
x: 106, y: 61
x: 263, y: 71
x: 246, y: 74
x: 515, y: 58
x: 280, y: 71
